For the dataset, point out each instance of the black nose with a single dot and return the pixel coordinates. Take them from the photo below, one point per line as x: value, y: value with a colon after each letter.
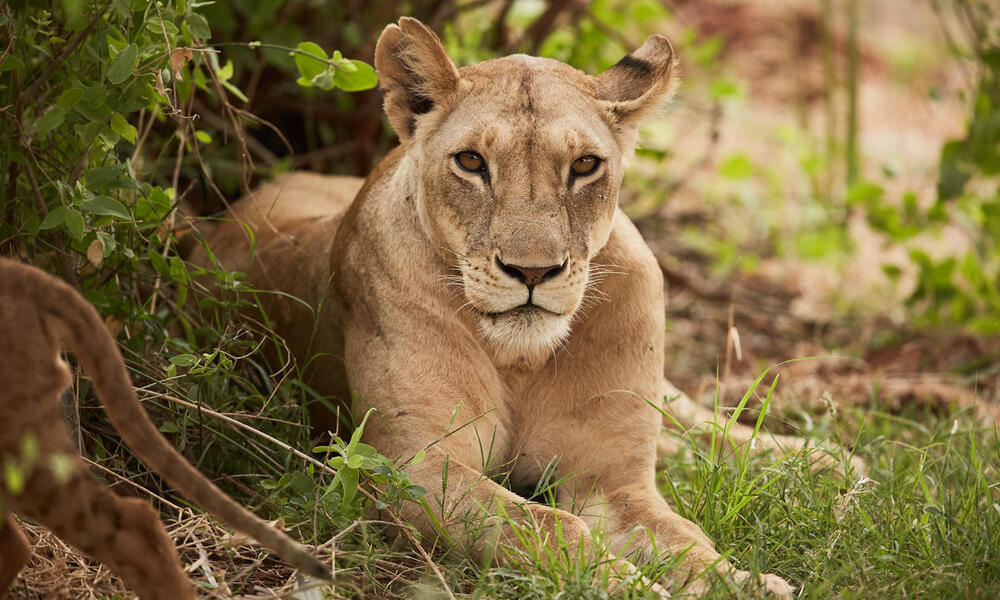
x: 531, y: 276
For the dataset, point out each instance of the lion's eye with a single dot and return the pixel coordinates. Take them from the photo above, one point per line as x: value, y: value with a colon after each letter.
x: 585, y: 165
x: 470, y: 161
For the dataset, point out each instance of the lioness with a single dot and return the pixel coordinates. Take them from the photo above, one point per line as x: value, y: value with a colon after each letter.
x: 484, y: 293
x: 44, y: 477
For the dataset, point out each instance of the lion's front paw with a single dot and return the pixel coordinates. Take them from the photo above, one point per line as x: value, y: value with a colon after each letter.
x: 623, y: 572
x: 774, y: 586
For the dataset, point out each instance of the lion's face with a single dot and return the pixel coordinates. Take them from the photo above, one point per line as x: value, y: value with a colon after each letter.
x: 517, y: 189
x: 516, y: 163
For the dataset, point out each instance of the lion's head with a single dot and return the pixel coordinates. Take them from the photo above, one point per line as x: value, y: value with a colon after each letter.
x: 515, y: 165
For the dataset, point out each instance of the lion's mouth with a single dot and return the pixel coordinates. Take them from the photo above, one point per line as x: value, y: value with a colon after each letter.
x: 525, y: 310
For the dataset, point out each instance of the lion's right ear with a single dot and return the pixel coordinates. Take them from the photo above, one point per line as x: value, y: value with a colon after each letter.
x: 640, y: 82
x: 414, y: 71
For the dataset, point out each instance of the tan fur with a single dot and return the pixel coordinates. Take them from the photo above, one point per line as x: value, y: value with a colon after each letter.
x: 38, y: 313
x: 431, y: 329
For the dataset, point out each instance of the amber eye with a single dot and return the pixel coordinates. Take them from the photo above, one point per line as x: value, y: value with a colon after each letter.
x: 470, y: 161
x: 585, y: 165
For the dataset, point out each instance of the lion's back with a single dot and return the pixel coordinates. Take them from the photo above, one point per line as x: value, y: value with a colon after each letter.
x: 278, y: 213
x: 298, y: 195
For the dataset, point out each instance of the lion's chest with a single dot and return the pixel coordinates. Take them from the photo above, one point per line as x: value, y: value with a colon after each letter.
x: 533, y: 430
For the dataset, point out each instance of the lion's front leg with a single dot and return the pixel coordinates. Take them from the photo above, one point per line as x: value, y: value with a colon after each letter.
x: 470, y: 511
x: 640, y: 520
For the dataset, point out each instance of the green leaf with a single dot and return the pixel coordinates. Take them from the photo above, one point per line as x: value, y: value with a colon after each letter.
x: 123, y: 64
x: 324, y: 80
x: 100, y: 177
x: 199, y: 79
x: 122, y: 127
x: 356, y: 435
x: 198, y: 26
x: 986, y: 325
x: 159, y: 264
x: 13, y: 477
x: 651, y: 153
x: 725, y: 89
x: 55, y: 218
x: 106, y: 206
x: 365, y: 450
x: 108, y: 241
x: 184, y: 360
x: 74, y: 223
x: 953, y: 173
x: 225, y: 73
x: 49, y: 121
x: 178, y: 272
x: 349, y: 482
x: 864, y: 193
x: 203, y: 137
x: 737, y: 167
x: 302, y: 484
x: 309, y: 66
x: 363, y: 78
x: 235, y: 91
x: 70, y: 97
x: 355, y: 461
x: 158, y: 26
x: 11, y: 63
x: 169, y: 427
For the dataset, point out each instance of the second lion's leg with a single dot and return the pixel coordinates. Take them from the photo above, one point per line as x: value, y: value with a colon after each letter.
x: 703, y: 423
x: 14, y: 550
x: 123, y: 533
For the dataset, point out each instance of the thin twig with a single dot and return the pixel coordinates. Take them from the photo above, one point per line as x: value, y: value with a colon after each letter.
x: 142, y: 136
x: 174, y: 111
x: 10, y: 44
x: 171, y: 219
x: 259, y: 149
x: 130, y: 482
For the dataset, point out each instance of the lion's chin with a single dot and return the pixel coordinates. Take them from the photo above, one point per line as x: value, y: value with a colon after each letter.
x: 524, y: 335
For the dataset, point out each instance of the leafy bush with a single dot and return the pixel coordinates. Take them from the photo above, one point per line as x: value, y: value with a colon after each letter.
x: 103, y: 108
x: 962, y: 289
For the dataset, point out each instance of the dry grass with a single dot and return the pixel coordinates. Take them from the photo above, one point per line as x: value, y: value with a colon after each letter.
x: 221, y: 566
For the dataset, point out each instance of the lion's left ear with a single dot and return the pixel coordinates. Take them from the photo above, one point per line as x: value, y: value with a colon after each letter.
x: 414, y: 71
x: 641, y: 82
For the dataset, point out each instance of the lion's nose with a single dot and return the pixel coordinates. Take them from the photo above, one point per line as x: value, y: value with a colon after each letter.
x: 531, y: 276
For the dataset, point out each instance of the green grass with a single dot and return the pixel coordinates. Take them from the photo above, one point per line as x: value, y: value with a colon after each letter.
x: 923, y: 523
